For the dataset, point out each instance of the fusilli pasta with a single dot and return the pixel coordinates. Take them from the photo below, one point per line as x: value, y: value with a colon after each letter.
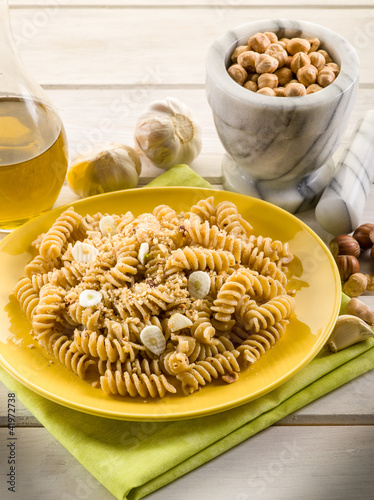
x: 120, y: 306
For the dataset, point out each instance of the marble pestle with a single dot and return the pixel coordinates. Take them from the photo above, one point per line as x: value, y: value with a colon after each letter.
x: 343, y: 201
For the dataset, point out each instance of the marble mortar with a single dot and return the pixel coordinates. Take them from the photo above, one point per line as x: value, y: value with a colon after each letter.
x: 280, y: 148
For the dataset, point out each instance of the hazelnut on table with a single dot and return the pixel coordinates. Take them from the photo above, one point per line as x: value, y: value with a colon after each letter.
x: 364, y: 235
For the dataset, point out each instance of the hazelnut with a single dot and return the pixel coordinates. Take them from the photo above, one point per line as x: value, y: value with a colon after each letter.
x: 279, y: 91
x: 288, y: 62
x: 237, y: 73
x: 277, y: 51
x: 356, y: 285
x: 314, y: 44
x: 250, y: 85
x: 272, y: 36
x: 267, y: 80
x: 298, y: 45
x: 317, y: 59
x: 334, y: 68
x: 248, y: 60
x: 282, y: 44
x: 311, y: 89
x: 294, y: 89
x: 326, y: 55
x: 259, y: 43
x: 238, y: 51
x: 344, y: 245
x: 347, y: 265
x: 364, y: 234
x: 325, y: 76
x: 266, y: 91
x: 266, y: 64
x: 372, y: 252
x: 254, y: 77
x: 284, y: 75
x: 307, y: 74
x: 299, y: 60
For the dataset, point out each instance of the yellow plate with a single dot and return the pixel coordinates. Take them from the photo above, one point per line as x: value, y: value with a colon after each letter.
x: 317, y: 304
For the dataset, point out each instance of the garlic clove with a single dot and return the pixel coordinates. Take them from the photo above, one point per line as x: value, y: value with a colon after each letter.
x: 84, y: 252
x: 153, y: 339
x: 358, y: 308
x: 178, y: 321
x: 108, y: 226
x: 348, y: 331
x: 143, y: 252
x: 89, y: 298
x: 198, y: 284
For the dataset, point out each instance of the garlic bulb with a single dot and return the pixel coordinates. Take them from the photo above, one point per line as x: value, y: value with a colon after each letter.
x: 109, y: 167
x: 167, y: 134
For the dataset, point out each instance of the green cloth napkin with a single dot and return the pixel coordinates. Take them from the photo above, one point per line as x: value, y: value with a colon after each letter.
x: 132, y: 459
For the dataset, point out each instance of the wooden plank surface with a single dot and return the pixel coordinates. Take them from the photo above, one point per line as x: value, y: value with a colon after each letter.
x: 71, y: 46
x: 281, y: 463
x: 93, y: 116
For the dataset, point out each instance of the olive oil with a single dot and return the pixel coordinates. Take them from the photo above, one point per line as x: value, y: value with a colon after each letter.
x: 33, y: 160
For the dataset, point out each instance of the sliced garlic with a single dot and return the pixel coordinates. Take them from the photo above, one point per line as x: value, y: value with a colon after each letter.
x: 89, y: 298
x: 143, y: 253
x: 198, y: 284
x: 84, y: 252
x: 153, y: 339
x: 108, y: 226
x: 178, y: 321
x: 348, y: 330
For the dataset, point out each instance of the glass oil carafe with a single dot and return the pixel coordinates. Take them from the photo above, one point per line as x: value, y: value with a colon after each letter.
x: 33, y: 147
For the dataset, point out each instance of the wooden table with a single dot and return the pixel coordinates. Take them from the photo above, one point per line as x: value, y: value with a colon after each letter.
x: 101, y: 63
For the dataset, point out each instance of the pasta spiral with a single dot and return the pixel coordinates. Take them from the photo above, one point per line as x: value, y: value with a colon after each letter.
x: 54, y: 240
x: 202, y: 372
x: 167, y: 302
x: 259, y: 317
x: 131, y: 384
